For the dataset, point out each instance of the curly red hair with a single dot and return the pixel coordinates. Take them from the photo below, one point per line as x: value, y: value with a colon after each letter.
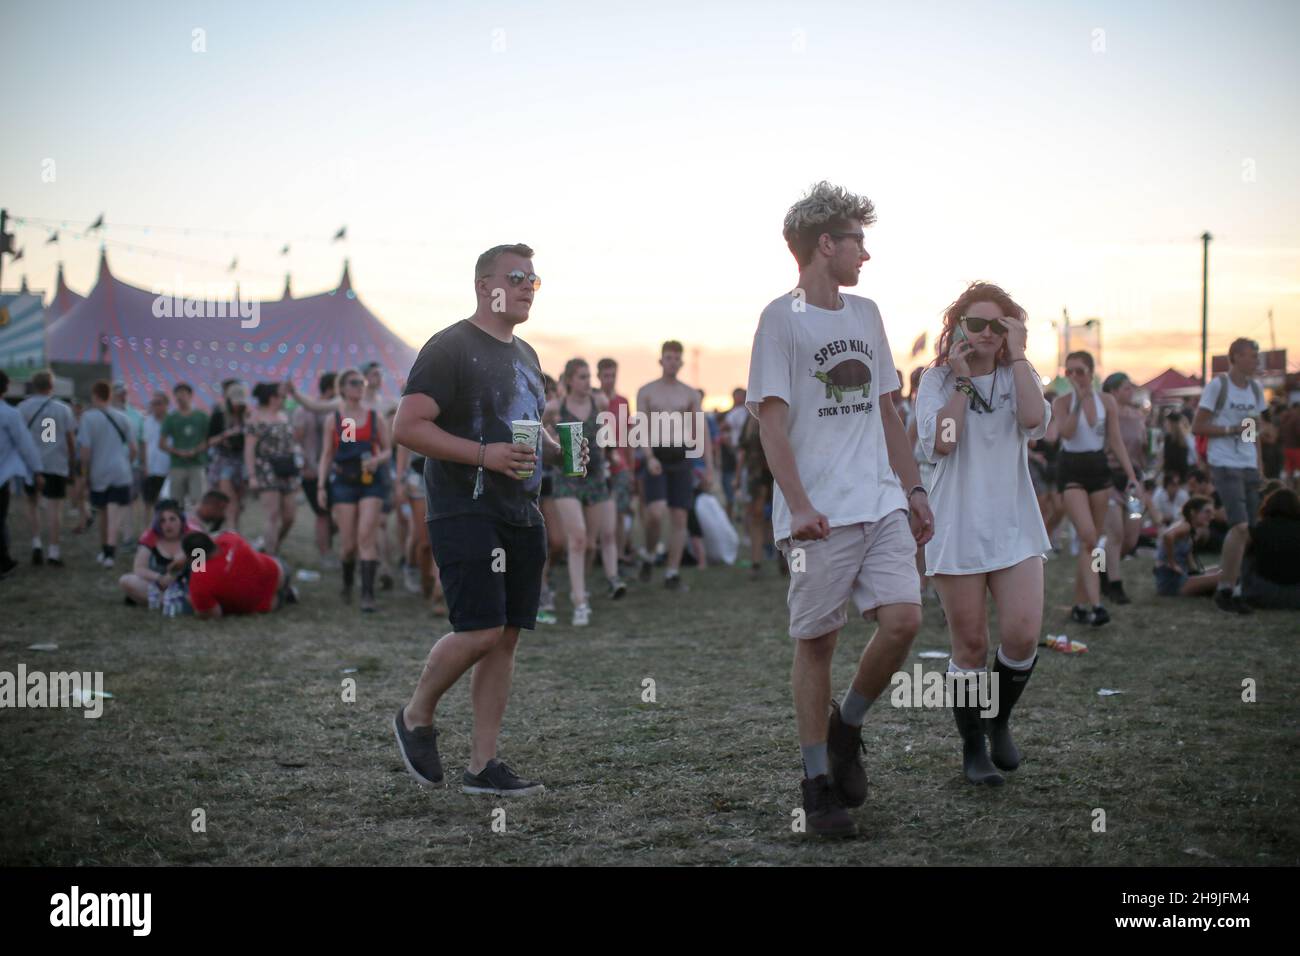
x: 975, y: 292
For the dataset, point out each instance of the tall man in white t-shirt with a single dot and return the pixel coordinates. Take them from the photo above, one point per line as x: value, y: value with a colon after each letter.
x: 1228, y: 415
x: 849, y: 509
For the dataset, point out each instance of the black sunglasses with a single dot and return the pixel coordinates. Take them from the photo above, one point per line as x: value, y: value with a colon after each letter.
x: 978, y: 325
x: 517, y: 276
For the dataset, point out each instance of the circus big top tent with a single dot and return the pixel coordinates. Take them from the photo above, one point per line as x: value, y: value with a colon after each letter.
x: 297, y: 338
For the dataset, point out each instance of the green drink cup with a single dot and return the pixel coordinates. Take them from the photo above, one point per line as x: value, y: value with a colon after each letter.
x: 526, y: 433
x: 571, y: 444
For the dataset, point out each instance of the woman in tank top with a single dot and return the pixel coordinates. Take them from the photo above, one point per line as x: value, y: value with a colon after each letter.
x: 585, y: 505
x: 1123, y: 526
x: 1088, y: 424
x: 1177, y: 570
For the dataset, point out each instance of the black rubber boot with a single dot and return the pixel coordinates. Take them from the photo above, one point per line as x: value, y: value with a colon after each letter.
x: 368, y: 570
x: 974, y: 754
x: 349, y: 575
x: 1011, y: 684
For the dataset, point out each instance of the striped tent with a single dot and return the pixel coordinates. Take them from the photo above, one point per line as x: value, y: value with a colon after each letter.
x: 154, y: 341
x: 22, y: 329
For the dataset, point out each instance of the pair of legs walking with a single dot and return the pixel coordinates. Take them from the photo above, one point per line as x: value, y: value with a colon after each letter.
x: 1018, y: 593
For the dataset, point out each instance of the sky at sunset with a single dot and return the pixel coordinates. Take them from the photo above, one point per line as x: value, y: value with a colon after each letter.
x: 1071, y: 152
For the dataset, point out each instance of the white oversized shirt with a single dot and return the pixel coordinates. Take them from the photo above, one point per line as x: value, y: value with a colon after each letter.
x: 986, y: 514
x: 834, y: 369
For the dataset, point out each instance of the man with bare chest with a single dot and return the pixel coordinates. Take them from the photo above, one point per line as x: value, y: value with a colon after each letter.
x: 667, y: 476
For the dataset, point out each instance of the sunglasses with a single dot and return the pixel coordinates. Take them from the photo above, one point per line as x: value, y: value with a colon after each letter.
x: 976, y: 325
x: 518, y: 276
x: 353, y: 381
x: 1076, y: 371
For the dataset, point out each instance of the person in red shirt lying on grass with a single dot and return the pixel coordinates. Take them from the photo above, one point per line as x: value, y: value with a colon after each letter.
x: 234, y: 578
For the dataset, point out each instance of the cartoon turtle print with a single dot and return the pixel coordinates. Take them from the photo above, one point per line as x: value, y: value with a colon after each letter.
x: 850, y: 375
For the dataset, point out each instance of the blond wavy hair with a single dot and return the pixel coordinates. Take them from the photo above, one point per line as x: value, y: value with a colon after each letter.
x: 824, y: 208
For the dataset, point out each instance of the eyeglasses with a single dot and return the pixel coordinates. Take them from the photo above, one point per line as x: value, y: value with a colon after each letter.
x: 516, y: 276
x: 1076, y: 371
x: 859, y: 237
x: 353, y: 381
x: 978, y: 325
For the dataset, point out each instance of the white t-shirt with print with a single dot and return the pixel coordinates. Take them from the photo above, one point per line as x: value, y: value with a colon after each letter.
x: 986, y: 514
x: 1230, y: 451
x: 834, y: 369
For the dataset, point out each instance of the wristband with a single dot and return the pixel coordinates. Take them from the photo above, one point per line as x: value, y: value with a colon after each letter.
x: 915, y: 489
x: 478, y: 478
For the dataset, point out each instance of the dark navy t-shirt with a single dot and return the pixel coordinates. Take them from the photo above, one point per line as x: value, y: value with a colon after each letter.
x: 481, y: 385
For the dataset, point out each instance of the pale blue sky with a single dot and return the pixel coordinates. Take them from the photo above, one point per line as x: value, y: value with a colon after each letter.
x: 649, y: 151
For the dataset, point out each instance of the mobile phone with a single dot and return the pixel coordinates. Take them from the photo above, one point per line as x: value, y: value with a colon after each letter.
x: 959, y: 334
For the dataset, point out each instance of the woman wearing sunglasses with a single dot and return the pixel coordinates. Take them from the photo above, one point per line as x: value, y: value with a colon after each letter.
x: 1088, y: 424
x: 980, y: 403
x: 354, y: 456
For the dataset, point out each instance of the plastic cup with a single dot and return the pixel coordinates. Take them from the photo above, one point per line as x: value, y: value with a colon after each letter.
x: 571, y: 444
x: 526, y: 433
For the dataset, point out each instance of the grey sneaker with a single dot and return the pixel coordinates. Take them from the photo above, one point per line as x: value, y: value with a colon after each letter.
x: 496, y: 778
x: 419, y: 749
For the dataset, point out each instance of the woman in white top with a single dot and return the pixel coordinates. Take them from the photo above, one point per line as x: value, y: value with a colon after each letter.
x: 1088, y: 423
x: 979, y: 405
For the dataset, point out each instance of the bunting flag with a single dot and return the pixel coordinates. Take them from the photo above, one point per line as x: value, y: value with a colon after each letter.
x: 341, y: 234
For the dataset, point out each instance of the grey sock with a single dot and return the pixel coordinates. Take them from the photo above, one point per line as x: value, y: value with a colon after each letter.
x: 814, y: 760
x: 853, y: 710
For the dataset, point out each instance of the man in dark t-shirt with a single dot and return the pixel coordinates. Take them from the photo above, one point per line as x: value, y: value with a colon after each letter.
x: 469, y: 383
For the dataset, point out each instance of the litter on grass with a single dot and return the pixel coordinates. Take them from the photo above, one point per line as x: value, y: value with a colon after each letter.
x: 42, y: 647
x: 1107, y: 692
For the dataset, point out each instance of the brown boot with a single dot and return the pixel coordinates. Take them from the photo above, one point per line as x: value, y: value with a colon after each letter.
x: 822, y: 810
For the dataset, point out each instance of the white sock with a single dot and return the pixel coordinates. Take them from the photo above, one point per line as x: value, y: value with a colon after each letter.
x: 1024, y: 665
x: 36, y: 543
x: 54, y: 551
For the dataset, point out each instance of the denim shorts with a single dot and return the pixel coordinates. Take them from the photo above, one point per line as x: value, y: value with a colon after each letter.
x: 1169, y: 581
x: 345, y: 493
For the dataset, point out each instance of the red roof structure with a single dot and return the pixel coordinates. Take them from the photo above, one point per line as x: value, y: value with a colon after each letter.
x: 154, y: 341
x: 1173, y: 382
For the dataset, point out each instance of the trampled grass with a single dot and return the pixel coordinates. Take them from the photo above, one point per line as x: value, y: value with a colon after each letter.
x: 244, y: 718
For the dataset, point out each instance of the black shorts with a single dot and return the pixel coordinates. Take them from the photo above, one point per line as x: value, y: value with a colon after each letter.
x: 309, y: 488
x: 112, y: 495
x: 1088, y: 470
x: 484, y: 589
x: 52, y: 486
x: 1119, y: 480
x: 151, y: 486
x: 676, y: 484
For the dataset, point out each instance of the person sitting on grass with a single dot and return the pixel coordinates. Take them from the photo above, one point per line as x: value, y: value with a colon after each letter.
x: 229, y: 577
x: 1168, y: 499
x: 157, y: 579
x: 1178, y: 572
x: 1261, y: 565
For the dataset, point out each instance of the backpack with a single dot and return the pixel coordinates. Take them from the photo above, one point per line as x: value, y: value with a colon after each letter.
x: 1222, y: 379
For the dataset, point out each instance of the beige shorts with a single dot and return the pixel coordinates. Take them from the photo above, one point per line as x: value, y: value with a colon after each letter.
x: 873, y: 562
